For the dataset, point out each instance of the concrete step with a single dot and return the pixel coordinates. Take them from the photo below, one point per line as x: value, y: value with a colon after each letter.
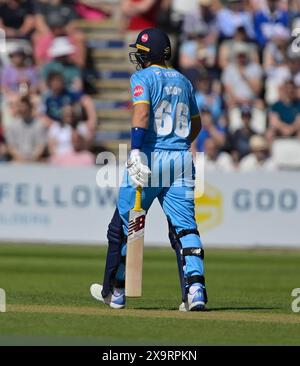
x: 116, y: 84
x: 114, y: 126
x: 118, y: 96
x: 115, y: 65
x: 104, y: 36
x: 108, y: 24
x: 114, y: 114
x: 110, y: 53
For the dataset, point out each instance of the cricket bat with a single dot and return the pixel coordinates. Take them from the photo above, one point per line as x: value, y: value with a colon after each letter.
x: 135, y: 247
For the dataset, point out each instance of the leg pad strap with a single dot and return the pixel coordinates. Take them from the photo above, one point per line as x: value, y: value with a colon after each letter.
x: 197, y: 252
x: 185, y: 232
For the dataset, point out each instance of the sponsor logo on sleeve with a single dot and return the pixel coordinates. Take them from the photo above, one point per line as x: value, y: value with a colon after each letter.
x: 138, y: 91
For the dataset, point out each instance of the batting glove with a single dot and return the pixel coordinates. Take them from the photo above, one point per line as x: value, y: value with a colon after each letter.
x: 138, y: 172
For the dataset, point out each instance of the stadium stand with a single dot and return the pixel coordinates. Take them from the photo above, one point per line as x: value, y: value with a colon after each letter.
x: 240, y: 56
x: 112, y: 98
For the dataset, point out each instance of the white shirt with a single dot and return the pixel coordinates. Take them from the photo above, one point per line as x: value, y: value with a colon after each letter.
x: 223, y: 162
x: 249, y: 163
x: 241, y: 88
x: 62, y: 135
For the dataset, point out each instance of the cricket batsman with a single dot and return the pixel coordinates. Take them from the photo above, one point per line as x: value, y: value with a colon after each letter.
x: 165, y: 122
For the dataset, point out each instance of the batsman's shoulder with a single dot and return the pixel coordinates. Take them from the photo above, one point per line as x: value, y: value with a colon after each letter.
x: 140, y: 75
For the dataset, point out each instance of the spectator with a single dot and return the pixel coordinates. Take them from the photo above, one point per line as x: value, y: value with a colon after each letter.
x: 208, y: 95
x: 61, y: 51
x: 91, y: 10
x: 242, y: 79
x: 198, y: 54
x: 16, y: 18
x: 266, y: 15
x: 275, y: 62
x: 216, y: 131
x: 284, y: 117
x: 227, y: 48
x: 276, y: 49
x: 233, y: 16
x: 203, y: 18
x: 60, y: 133
x: 239, y: 141
x: 215, y: 159
x: 188, y: 58
x: 19, y: 76
x: 26, y: 136
x: 293, y: 63
x: 259, y: 159
x: 56, y: 20
x: 3, y: 147
x: 78, y: 156
x: 139, y: 14
x: 47, y: 10
x: 58, y: 96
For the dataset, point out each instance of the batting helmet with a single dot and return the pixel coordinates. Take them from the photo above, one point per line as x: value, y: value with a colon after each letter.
x: 152, y: 45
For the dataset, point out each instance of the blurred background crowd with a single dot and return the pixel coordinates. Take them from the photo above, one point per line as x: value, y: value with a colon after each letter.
x: 65, y: 77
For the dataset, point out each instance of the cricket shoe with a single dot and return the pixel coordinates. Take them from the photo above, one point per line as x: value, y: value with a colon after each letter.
x: 115, y: 300
x: 196, y: 297
x: 184, y: 306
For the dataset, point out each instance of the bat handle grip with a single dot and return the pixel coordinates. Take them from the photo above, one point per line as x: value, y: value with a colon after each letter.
x: 138, y: 199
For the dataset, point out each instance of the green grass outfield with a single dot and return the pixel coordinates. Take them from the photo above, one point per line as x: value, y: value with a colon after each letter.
x: 48, y: 300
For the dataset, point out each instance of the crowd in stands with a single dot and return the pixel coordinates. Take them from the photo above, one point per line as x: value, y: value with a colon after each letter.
x: 240, y: 56
x: 46, y: 114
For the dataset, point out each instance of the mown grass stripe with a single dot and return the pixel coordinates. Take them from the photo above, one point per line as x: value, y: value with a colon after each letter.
x: 171, y: 314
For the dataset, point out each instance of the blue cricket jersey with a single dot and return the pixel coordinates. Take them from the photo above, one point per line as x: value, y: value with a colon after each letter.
x: 172, y: 106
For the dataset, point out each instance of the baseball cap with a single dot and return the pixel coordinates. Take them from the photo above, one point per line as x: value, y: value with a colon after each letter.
x: 61, y: 46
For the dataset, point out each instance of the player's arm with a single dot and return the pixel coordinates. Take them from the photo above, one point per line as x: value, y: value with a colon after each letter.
x: 140, y: 118
x: 195, y: 127
x: 137, y: 169
x: 195, y: 116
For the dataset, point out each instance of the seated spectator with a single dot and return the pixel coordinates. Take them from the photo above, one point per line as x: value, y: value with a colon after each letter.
x: 239, y: 141
x: 16, y: 18
x: 92, y: 10
x: 227, y: 48
x: 293, y: 62
x: 275, y: 62
x: 215, y: 159
x: 231, y: 16
x: 3, y: 147
x: 294, y: 8
x: 259, y: 159
x: 275, y: 50
x: 216, y: 131
x: 58, y: 96
x: 55, y: 20
x: 61, y: 51
x: 46, y: 10
x: 266, y: 17
x: 188, y: 56
x: 19, y: 76
x: 139, y: 14
x: 203, y: 18
x: 60, y: 133
x: 78, y: 156
x: 208, y: 95
x: 26, y: 136
x: 242, y: 79
x: 198, y: 54
x: 284, y: 116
